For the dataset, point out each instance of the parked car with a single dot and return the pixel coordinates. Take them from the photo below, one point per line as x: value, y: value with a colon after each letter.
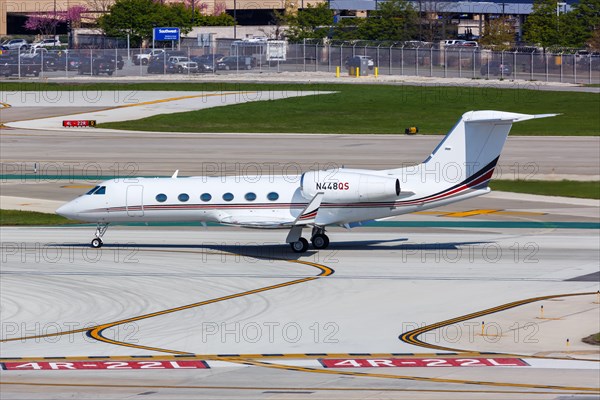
x: 158, y: 65
x: 183, y: 65
x: 34, y: 51
x: 46, y: 43
x: 96, y: 66
x: 236, y: 62
x: 116, y: 60
x: 496, y: 68
x: 15, y: 44
x: 12, y: 65
x: 47, y: 61
x: 204, y: 64
x: 144, y: 57
x: 68, y: 62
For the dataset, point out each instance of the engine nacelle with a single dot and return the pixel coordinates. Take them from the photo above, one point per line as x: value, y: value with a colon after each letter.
x: 339, y: 186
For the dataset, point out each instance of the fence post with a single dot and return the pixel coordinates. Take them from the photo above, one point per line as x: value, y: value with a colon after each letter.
x: 574, y: 68
x: 473, y: 62
x: 377, y: 61
x: 417, y: 61
x: 328, y: 57
x: 515, y: 65
x: 502, y: 63
x: 445, y: 62
x: 304, y: 55
x: 460, y: 63
x: 590, y: 68
x: 67, y: 63
x: 42, y: 64
x: 561, y: 67
x: 116, y: 60
x: 546, y: 61
x: 317, y: 58
x: 531, y: 71
x: 431, y: 61
x: 391, y: 59
x: 402, y: 60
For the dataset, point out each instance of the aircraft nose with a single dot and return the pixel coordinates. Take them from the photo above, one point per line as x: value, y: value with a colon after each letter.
x: 67, y: 210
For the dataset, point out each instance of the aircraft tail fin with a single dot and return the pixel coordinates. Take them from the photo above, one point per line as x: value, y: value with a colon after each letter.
x: 472, y: 148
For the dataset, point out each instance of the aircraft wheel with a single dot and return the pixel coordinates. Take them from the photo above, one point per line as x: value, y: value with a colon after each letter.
x: 300, y: 246
x: 320, y: 241
x: 96, y: 243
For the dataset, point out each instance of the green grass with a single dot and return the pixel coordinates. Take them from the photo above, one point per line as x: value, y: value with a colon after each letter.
x: 586, y: 189
x: 16, y: 217
x: 386, y: 109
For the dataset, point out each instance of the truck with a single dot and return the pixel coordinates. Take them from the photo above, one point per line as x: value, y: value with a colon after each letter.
x: 267, y: 51
x: 144, y: 58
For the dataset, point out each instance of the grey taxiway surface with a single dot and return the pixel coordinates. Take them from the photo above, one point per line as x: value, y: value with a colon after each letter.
x: 160, y: 291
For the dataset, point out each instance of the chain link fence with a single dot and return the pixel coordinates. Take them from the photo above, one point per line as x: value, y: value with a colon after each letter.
x: 228, y: 57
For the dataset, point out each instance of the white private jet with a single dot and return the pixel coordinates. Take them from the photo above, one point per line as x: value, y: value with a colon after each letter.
x: 459, y: 168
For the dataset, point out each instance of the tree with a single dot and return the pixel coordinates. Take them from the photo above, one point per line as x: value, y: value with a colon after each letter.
x: 594, y: 41
x: 543, y: 25
x: 394, y: 20
x: 313, y: 22
x: 498, y: 33
x: 582, y: 22
x: 138, y: 17
x: 133, y: 17
x: 44, y: 24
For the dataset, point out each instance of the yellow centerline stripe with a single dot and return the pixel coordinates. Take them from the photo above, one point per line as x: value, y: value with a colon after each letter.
x: 325, y: 271
x: 411, y: 337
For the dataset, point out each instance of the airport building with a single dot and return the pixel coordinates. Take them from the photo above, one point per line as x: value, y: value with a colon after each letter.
x: 467, y: 16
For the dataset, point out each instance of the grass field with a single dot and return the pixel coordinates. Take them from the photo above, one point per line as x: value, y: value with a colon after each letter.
x: 587, y: 190
x: 383, y: 109
x: 15, y: 218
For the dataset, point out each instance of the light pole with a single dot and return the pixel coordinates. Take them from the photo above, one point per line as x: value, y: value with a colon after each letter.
x: 559, y: 5
x: 235, y: 19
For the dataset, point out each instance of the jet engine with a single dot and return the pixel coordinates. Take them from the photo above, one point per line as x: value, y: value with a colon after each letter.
x: 344, y: 186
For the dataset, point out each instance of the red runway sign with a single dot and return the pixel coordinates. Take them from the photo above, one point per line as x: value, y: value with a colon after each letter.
x: 68, y: 123
x: 422, y: 362
x: 110, y: 365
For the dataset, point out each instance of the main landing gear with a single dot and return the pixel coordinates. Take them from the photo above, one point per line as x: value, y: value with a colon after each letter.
x: 100, y: 231
x: 319, y: 241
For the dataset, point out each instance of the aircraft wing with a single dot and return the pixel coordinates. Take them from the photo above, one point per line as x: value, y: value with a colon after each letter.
x: 258, y: 221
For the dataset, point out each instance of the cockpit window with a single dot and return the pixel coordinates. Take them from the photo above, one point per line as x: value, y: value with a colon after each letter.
x: 97, y: 190
x: 93, y: 190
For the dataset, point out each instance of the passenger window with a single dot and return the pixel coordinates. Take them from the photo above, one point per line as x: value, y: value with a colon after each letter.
x: 205, y: 197
x: 161, y: 198
x: 272, y: 196
x: 183, y: 197
x: 228, y: 197
x: 250, y: 196
x: 101, y: 190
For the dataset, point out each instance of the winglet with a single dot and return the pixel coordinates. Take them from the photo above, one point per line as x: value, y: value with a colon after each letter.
x: 175, y: 174
x: 309, y: 214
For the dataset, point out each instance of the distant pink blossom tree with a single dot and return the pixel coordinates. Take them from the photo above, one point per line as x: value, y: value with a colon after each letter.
x: 44, y: 24
x: 74, y: 14
x: 219, y: 8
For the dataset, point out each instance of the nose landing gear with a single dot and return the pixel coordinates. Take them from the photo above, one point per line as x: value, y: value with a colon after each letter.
x: 100, y: 231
